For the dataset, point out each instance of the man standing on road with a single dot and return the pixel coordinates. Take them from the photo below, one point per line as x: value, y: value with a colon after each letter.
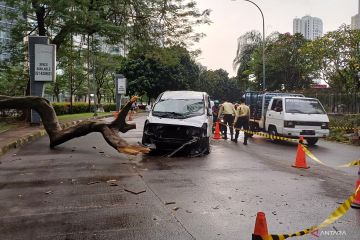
x: 228, y: 110
x: 215, y: 112
x: 242, y: 120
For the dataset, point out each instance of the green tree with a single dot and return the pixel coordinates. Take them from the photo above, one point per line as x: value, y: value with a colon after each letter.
x: 219, y: 86
x: 336, y: 58
x: 287, y: 68
x: 158, y: 22
x: 250, y: 45
x: 247, y: 44
x: 106, y: 65
x: 158, y: 69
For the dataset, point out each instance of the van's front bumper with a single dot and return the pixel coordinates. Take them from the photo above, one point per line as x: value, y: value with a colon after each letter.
x: 170, y: 137
x: 315, y: 133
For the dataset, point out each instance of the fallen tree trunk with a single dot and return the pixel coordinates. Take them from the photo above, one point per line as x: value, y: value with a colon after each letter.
x: 57, y: 135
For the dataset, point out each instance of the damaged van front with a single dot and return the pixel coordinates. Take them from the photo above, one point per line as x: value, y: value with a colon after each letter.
x: 179, y: 120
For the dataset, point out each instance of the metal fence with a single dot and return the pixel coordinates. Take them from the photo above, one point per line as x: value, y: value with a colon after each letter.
x: 338, y: 102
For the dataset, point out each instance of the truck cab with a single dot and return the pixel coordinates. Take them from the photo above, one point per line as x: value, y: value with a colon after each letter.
x: 287, y: 114
x: 297, y: 116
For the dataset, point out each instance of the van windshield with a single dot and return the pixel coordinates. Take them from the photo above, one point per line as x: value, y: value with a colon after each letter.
x: 305, y: 106
x: 179, y: 108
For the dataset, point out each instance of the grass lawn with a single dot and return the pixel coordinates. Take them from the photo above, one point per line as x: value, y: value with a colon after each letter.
x: 71, y: 117
x: 5, y: 126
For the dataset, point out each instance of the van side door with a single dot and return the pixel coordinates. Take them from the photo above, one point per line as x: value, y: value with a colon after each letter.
x: 275, y: 115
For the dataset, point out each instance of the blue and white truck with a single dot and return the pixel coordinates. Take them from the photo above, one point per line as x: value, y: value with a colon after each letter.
x: 287, y: 114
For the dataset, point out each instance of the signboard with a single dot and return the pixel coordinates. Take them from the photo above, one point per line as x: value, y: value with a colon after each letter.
x: 45, y: 63
x: 121, y: 85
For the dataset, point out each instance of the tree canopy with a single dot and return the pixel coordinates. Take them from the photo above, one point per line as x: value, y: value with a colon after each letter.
x: 292, y: 62
x: 155, y: 69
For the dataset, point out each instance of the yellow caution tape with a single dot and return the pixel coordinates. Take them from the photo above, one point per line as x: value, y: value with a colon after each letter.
x: 337, y: 214
x: 312, y: 156
x: 352, y: 164
x: 345, y: 128
x: 275, y: 137
x: 307, y: 151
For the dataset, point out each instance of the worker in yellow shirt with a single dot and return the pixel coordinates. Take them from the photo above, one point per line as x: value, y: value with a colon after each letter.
x: 228, y: 111
x: 242, y: 120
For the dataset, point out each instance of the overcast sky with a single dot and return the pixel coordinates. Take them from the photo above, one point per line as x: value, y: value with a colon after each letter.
x: 233, y: 18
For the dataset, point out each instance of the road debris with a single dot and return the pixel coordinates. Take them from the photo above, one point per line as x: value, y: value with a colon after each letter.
x: 194, y: 140
x: 217, y: 207
x: 134, y: 192
x: 111, y: 180
x: 176, y: 208
x: 49, y: 192
x: 168, y: 203
x: 188, y: 211
x: 94, y: 182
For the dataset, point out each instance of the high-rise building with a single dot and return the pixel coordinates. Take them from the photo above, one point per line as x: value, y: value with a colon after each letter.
x: 310, y: 27
x: 355, y: 20
x: 5, y: 26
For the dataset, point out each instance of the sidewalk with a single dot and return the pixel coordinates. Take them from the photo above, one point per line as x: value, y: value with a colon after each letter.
x: 24, y: 134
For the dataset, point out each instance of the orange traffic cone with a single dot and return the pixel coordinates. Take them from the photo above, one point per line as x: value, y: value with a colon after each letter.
x: 217, y: 131
x: 261, y: 230
x: 300, y: 161
x: 356, y: 203
x: 130, y: 116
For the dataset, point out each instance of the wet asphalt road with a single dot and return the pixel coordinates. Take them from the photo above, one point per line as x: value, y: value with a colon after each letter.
x: 82, y: 190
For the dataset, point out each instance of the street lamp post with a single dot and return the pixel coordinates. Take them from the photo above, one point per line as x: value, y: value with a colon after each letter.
x: 263, y: 42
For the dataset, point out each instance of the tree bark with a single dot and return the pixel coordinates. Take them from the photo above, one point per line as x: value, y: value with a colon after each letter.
x: 57, y: 135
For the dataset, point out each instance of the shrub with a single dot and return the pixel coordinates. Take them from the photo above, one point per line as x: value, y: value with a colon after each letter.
x: 80, y: 107
x: 64, y: 108
x: 108, y: 107
x: 337, y: 122
x: 61, y: 108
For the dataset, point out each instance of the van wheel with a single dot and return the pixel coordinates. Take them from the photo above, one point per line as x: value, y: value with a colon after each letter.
x: 311, y: 141
x: 145, y: 140
x: 272, y: 131
x: 206, y: 144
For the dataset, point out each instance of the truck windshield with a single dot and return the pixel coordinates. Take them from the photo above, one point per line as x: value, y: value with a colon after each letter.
x: 305, y: 106
x: 179, y: 108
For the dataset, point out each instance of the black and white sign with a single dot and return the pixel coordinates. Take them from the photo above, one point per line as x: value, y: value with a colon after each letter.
x: 45, y: 62
x: 121, y: 85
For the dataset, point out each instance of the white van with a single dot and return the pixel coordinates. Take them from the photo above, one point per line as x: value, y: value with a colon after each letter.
x: 179, y: 119
x: 287, y: 114
x: 297, y: 116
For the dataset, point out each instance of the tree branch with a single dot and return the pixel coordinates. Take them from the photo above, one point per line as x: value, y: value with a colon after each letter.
x: 57, y: 135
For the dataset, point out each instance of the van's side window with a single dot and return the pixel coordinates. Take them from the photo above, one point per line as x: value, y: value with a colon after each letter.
x: 277, y: 105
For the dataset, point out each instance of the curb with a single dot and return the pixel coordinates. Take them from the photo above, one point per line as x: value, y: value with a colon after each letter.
x: 38, y: 134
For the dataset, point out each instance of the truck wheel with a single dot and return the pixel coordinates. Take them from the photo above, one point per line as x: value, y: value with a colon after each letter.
x: 251, y: 128
x: 272, y: 131
x: 311, y: 141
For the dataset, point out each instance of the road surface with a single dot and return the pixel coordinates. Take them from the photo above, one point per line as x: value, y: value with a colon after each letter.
x: 84, y: 189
